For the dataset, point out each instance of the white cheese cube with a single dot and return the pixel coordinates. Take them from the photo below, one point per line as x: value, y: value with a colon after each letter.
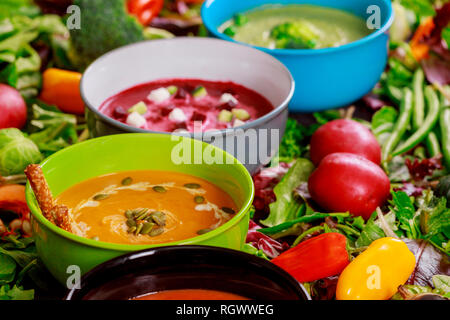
x: 159, y: 95
x: 177, y: 115
x: 238, y: 123
x: 226, y: 97
x: 136, y: 120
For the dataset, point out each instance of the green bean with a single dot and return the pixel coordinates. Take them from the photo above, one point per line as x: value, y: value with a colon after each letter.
x: 433, y: 146
x: 395, y: 94
x: 419, y: 104
x: 428, y: 124
x: 442, y: 99
x: 431, y: 141
x: 304, y: 234
x: 445, y: 130
x: 400, y: 126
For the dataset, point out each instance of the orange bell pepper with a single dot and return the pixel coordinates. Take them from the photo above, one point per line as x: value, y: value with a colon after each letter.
x: 420, y: 50
x: 62, y: 88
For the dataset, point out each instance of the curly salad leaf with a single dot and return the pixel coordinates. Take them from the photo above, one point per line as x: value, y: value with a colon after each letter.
x: 425, y: 217
x: 296, y: 136
x: 405, y: 213
x: 291, y: 145
x: 262, y: 245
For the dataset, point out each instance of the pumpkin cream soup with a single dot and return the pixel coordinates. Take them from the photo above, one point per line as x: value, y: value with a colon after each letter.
x: 146, y: 207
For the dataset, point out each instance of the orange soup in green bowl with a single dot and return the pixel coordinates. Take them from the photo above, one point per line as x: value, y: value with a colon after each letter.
x: 131, y: 192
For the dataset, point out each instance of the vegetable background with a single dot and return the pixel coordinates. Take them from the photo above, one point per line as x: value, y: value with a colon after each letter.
x: 408, y: 112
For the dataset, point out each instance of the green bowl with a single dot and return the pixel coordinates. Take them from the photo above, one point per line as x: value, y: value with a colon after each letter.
x: 61, y: 250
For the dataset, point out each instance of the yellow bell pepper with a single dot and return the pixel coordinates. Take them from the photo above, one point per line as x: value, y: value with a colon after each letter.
x: 377, y: 272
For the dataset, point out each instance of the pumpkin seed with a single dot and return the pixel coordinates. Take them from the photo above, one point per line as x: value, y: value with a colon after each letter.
x: 192, y: 185
x: 228, y: 210
x: 143, y: 214
x: 137, y: 212
x: 131, y: 223
x: 159, y: 218
x: 127, y: 181
x: 129, y: 214
x: 159, y: 189
x: 156, y: 231
x: 132, y: 229
x: 100, y: 196
x: 199, y: 199
x: 147, y: 227
x: 139, y: 228
x: 203, y: 231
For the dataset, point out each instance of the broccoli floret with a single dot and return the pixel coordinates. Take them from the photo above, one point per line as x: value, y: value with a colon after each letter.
x: 294, y: 35
x: 105, y: 25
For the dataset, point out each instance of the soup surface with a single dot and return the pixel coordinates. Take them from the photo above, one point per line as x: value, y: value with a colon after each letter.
x: 146, y: 207
x: 296, y: 27
x: 190, y: 294
x: 176, y: 104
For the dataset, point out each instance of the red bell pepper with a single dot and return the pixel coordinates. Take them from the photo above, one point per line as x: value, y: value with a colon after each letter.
x: 145, y: 10
x: 319, y: 257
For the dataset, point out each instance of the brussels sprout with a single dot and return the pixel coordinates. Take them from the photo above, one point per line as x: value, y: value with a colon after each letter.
x: 16, y: 152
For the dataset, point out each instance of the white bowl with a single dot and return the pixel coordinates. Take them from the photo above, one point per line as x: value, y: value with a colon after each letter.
x: 199, y: 58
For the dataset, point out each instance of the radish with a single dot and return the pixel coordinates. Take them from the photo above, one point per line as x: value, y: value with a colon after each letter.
x: 13, y: 109
x: 344, y: 135
x: 349, y: 182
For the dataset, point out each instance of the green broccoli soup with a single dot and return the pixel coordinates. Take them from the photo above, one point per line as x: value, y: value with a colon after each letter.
x: 296, y: 27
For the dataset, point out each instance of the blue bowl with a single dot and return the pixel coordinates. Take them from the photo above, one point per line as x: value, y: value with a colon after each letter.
x: 325, y: 78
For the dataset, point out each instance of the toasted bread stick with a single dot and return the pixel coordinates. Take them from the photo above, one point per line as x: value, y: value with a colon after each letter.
x: 56, y: 214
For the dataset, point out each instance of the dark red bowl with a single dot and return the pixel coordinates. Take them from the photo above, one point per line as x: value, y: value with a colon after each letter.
x: 187, y: 267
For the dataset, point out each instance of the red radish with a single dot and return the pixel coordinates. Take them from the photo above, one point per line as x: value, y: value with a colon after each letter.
x: 344, y: 135
x: 13, y: 109
x: 349, y: 182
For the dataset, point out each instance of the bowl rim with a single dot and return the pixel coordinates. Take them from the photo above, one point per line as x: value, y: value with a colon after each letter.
x: 288, y: 52
x: 127, y: 128
x: 112, y: 263
x: 37, y: 214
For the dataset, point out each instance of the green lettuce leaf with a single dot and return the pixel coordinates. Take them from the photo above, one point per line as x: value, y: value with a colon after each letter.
x: 287, y: 207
